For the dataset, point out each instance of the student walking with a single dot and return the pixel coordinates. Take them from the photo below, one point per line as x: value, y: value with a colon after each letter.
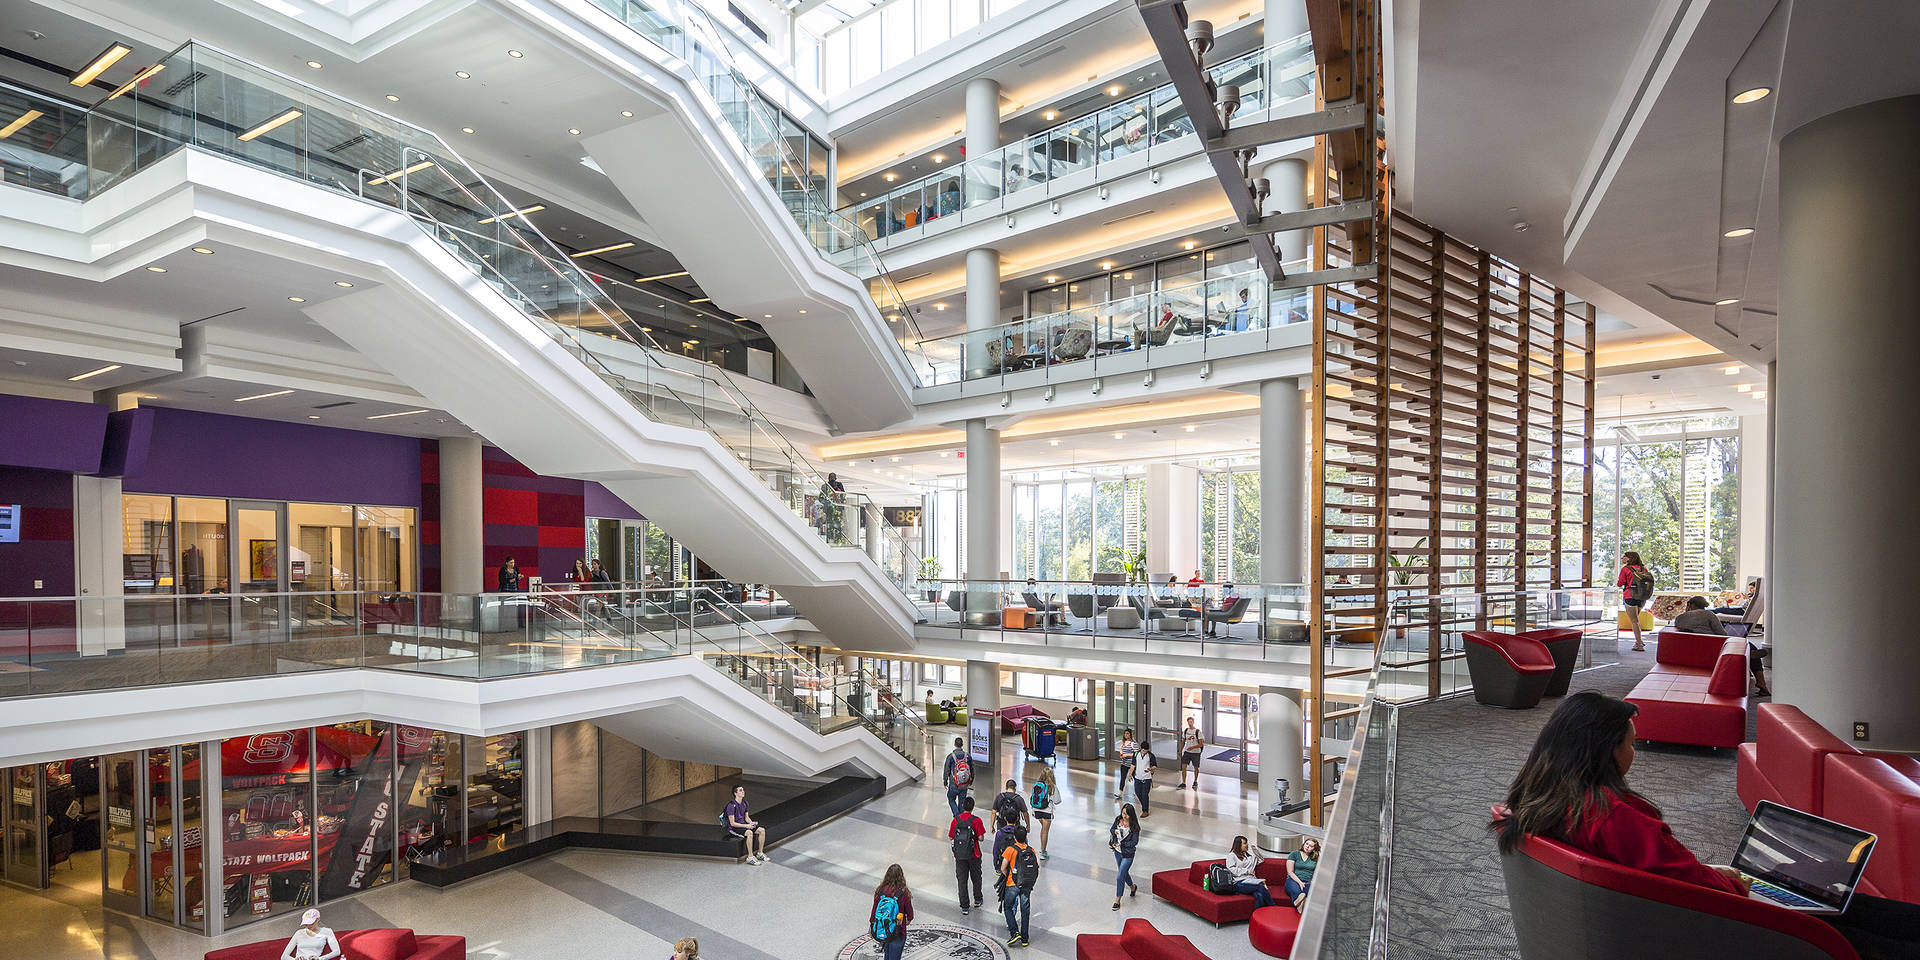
x: 1041, y: 803
x: 1127, y: 750
x: 958, y: 776
x: 1143, y: 766
x: 1190, y: 746
x: 964, y: 833
x: 1019, y: 870
x: 1636, y: 583
x: 1009, y: 814
x: 892, y: 911
x: 1123, y: 838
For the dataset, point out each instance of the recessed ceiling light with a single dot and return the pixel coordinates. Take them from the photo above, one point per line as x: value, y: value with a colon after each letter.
x: 314, y: 64
x: 1049, y: 115
x: 863, y: 194
x: 393, y: 98
x: 1743, y: 388
x: 466, y: 129
x: 1726, y: 301
x: 313, y: 416
x: 109, y: 368
x: 202, y: 250
x: 609, y: 248
x: 462, y: 74
x: 1119, y: 436
x: 285, y: 116
x: 1189, y: 245
x: 1730, y: 371
x: 894, y: 459
x: 342, y: 283
x: 574, y: 130
x: 262, y: 396
x: 1051, y: 277
x: 298, y: 299
x: 891, y: 177
x: 1752, y: 95
x: 1106, y: 264
x: 1113, y: 91
x: 939, y: 306
x: 769, y: 316
x: 939, y: 158
x: 626, y: 113
x: 693, y: 343
x: 803, y: 313
x: 1738, y: 232
x: 1759, y: 394
x: 32, y: 115
x: 663, y: 276
x: 1190, y: 428
x: 943, y: 453
x: 398, y: 413
x: 515, y: 54
x: 107, y: 58
x: 156, y: 269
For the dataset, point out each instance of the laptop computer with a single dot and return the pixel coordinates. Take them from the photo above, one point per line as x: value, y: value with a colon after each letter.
x: 1802, y: 862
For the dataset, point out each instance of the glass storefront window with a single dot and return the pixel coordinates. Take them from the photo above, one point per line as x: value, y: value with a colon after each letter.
x: 430, y: 776
x: 203, y: 545
x: 386, y: 556
x: 194, y: 887
x: 355, y: 791
x: 146, y: 551
x: 267, y: 822
x: 120, y: 837
x: 160, y: 833
x: 494, y: 781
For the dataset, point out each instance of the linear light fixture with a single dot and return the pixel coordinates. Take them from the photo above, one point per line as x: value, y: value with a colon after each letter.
x: 523, y: 211
x: 282, y: 118
x: 664, y: 276
x: 109, y: 368
x: 107, y: 58
x: 606, y: 249
x: 401, y: 413
x: 262, y: 396
x: 138, y: 78
x: 416, y: 168
x: 701, y: 300
x: 14, y: 127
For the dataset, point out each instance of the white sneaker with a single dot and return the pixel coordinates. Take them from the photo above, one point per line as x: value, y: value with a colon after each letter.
x: 762, y: 857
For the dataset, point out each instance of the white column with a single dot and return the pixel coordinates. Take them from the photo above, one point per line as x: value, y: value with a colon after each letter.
x: 98, y: 529
x: 983, y: 132
x: 1281, y: 747
x: 462, y: 531
x: 1288, y: 181
x: 983, y: 305
x: 983, y: 501
x: 1006, y: 526
x: 1844, y: 511
x: 1284, y: 19
x: 1283, y: 478
x: 1159, y: 523
x: 1183, y: 520
x: 1754, y: 477
x: 876, y: 532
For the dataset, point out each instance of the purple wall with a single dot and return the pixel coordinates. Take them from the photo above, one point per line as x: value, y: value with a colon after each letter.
x: 51, y: 434
x: 45, y: 550
x: 602, y: 503
x: 212, y: 455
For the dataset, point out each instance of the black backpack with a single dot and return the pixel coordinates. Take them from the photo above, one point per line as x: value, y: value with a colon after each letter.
x: 1219, y: 878
x: 1026, y: 868
x: 1641, y: 587
x: 964, y: 839
x: 1002, y: 839
x: 1007, y: 807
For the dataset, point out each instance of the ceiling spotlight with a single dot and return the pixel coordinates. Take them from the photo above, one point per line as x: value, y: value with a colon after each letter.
x: 298, y: 299
x: 342, y: 283
x: 1730, y: 371
x: 1759, y: 394
x: 515, y: 54
x: 156, y: 269
x: 462, y: 74
x: 769, y: 316
x: 109, y: 368
x: 262, y: 396
x: 1190, y: 428
x: 939, y: 306
x: 1049, y: 115
x: 574, y: 130
x: 894, y: 459
x: 1738, y: 232
x: 939, y: 158
x: 1051, y: 277
x: 1189, y: 245
x: 1119, y: 436
x: 393, y: 98
x: 201, y: 250
x: 1726, y: 301
x: 1113, y: 91
x: 891, y: 177
x: 314, y: 64
x: 1743, y: 388
x: 1106, y: 264
x: 943, y: 453
x: 626, y: 113
x: 1053, y: 443
x: 1753, y: 95
x: 107, y: 58
x: 466, y: 129
x: 803, y: 313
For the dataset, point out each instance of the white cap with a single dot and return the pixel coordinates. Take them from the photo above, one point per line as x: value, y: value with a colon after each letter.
x: 307, y: 919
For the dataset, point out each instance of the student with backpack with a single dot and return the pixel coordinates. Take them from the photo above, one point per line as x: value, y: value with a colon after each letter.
x: 1041, y: 803
x: 1010, y: 807
x: 1019, y: 870
x: 964, y: 833
x: 958, y: 776
x: 892, y: 911
x: 1127, y: 751
x: 1123, y: 838
x: 742, y: 826
x: 1144, y: 765
x: 1636, y: 583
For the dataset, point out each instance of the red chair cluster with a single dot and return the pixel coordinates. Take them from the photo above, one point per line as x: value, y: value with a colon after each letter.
x: 1270, y: 929
x: 1514, y: 670
x: 374, y: 944
x: 1696, y: 692
x: 1796, y: 762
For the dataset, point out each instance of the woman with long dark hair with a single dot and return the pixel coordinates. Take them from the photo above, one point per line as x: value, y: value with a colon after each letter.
x: 1123, y: 838
x: 892, y: 911
x: 1636, y: 588
x: 1242, y: 860
x: 1573, y: 788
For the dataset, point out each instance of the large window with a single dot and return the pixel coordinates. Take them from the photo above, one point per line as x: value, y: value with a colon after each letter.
x: 1669, y: 489
x: 1071, y: 525
x: 180, y: 545
x: 1230, y: 522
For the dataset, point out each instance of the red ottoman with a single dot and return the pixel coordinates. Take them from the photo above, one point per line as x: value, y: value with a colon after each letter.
x: 1272, y: 928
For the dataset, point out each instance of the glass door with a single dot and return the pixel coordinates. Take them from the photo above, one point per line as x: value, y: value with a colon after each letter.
x: 1229, y: 719
x: 259, y: 568
x: 158, y: 841
x: 22, y: 808
x: 119, y: 834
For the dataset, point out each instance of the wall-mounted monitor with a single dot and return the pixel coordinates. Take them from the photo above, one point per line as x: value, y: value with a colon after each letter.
x: 9, y: 523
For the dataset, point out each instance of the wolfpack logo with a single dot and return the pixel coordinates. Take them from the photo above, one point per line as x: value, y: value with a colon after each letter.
x: 932, y: 941
x: 268, y: 748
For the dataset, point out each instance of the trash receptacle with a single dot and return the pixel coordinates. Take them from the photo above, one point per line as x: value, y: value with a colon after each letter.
x: 1083, y: 743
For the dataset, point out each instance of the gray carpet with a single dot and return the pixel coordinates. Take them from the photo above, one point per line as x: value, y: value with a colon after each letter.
x: 1456, y: 757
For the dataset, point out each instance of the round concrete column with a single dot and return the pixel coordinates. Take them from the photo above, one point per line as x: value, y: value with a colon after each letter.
x: 1283, y: 478
x: 1288, y: 180
x: 1281, y: 747
x: 1845, y: 516
x: 983, y: 502
x: 462, y: 531
x: 983, y: 306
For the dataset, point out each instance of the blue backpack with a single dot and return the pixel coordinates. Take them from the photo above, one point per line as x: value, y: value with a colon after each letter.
x: 886, y: 918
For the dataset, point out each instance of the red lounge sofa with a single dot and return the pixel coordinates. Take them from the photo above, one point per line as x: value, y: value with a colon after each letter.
x: 1182, y: 888
x: 1137, y: 940
x: 1564, y: 644
x: 390, y: 944
x: 1696, y: 692
x: 1508, y: 670
x: 1796, y: 762
x: 1567, y: 905
x: 1013, y: 719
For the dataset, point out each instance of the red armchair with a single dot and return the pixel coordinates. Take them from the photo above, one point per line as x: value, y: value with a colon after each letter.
x: 1570, y: 906
x: 1508, y: 670
x: 1696, y: 692
x: 1137, y: 940
x: 1013, y: 719
x: 1564, y: 644
x: 1182, y: 888
x: 376, y: 944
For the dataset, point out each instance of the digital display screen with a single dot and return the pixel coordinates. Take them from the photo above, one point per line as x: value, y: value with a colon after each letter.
x: 9, y: 523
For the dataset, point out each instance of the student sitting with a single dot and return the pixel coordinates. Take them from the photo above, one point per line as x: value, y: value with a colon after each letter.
x: 1696, y: 618
x: 1241, y: 861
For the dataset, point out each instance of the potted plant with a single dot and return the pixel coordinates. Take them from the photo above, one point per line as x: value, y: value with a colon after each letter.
x: 930, y: 570
x: 1135, y: 566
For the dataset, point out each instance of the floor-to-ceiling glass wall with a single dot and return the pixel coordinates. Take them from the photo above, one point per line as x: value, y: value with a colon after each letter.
x: 1669, y: 488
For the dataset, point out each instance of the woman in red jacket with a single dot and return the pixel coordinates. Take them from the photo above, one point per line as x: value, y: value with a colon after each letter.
x: 1573, y: 788
x: 1636, y: 588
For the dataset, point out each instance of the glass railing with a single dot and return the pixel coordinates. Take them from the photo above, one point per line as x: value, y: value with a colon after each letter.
x: 1266, y: 78
x: 45, y: 146
x: 686, y: 31
x: 203, y: 98
x: 1112, y: 615
x: 1344, y: 917
x: 1123, y: 333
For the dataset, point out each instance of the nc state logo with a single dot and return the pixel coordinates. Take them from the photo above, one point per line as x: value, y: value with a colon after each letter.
x: 269, y: 748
